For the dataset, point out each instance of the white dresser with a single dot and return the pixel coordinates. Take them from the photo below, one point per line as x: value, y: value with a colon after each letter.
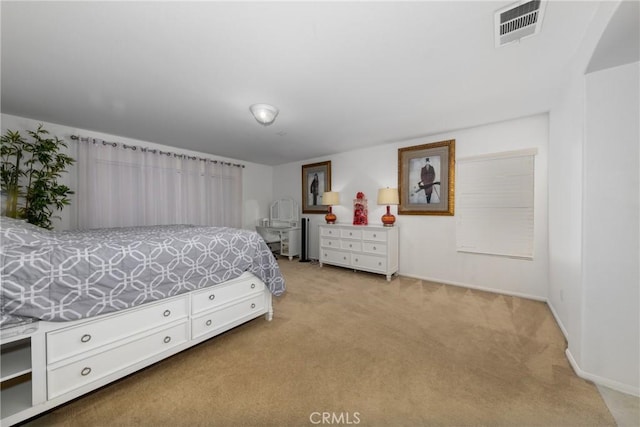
x: 360, y: 247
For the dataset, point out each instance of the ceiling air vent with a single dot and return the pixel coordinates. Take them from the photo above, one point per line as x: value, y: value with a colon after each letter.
x: 517, y: 21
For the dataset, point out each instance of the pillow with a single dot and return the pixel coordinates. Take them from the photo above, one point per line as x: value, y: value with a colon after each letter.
x: 20, y: 232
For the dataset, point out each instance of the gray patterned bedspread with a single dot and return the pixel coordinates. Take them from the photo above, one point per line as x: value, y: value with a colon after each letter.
x: 61, y: 276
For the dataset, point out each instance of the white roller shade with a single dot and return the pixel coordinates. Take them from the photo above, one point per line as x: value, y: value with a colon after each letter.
x: 494, y: 203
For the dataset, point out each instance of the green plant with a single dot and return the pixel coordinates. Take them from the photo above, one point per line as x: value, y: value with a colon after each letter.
x: 30, y: 171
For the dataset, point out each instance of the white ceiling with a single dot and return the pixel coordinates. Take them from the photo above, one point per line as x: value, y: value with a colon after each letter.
x: 344, y: 75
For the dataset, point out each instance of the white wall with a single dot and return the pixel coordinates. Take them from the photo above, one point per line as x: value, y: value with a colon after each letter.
x: 256, y: 181
x: 611, y: 225
x: 428, y: 243
x: 591, y: 315
x: 565, y: 210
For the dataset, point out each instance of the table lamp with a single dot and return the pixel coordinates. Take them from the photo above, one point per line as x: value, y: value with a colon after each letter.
x: 330, y: 198
x: 388, y: 196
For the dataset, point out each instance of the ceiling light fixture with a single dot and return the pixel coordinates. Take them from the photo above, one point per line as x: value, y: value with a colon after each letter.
x: 265, y: 114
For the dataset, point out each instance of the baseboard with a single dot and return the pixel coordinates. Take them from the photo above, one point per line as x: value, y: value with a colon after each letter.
x: 614, y: 385
x: 479, y: 288
x: 558, y: 321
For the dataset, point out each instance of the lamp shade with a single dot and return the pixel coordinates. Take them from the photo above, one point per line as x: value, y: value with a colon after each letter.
x: 265, y: 114
x: 331, y: 198
x: 388, y: 196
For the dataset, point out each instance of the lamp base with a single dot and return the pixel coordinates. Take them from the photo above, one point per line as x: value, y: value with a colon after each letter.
x: 388, y: 219
x: 330, y: 218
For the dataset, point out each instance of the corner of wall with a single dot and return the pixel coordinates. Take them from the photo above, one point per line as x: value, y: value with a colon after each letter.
x: 563, y: 329
x: 614, y: 385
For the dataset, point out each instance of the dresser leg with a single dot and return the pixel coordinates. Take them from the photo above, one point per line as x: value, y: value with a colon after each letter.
x: 269, y: 314
x: 389, y: 277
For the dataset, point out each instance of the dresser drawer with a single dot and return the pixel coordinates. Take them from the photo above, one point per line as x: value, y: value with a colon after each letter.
x: 329, y: 232
x: 375, y: 235
x: 349, y: 233
x: 374, y: 248
x: 351, y: 245
x: 335, y: 257
x: 370, y: 262
x: 329, y: 243
x: 92, y: 334
x: 220, y: 320
x: 65, y: 378
x: 217, y: 295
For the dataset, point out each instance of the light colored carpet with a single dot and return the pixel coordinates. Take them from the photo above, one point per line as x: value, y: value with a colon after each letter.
x: 367, y: 352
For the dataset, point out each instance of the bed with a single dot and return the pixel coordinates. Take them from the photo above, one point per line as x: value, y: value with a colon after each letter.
x: 80, y: 309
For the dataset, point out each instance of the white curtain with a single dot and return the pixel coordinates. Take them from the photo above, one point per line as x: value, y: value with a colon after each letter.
x: 211, y: 193
x: 121, y: 186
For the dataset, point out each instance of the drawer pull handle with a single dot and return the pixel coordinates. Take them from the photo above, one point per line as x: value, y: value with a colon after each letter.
x: 350, y: 234
x: 374, y: 248
x: 253, y: 286
x: 212, y: 297
x: 345, y: 258
x: 253, y: 305
x: 208, y: 323
x: 167, y: 340
x: 85, y: 371
x: 85, y: 338
x: 329, y: 243
x: 356, y: 259
x: 380, y: 263
x: 374, y: 235
x: 167, y: 313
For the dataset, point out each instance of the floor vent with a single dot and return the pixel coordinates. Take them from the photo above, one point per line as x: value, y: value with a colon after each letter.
x: 517, y: 21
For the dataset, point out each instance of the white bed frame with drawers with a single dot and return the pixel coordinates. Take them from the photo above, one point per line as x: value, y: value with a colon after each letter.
x: 45, y: 364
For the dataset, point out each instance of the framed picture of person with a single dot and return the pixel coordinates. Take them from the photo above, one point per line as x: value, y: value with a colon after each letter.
x: 426, y: 179
x: 316, y: 179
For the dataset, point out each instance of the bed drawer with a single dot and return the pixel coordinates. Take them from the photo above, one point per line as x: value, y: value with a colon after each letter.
x: 93, y: 334
x: 65, y: 378
x: 224, y: 318
x: 217, y: 295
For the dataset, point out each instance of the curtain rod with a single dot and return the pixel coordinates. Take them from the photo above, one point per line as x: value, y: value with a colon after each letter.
x: 153, y: 150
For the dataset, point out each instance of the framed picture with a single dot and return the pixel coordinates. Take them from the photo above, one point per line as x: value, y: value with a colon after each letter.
x: 316, y: 179
x: 426, y: 178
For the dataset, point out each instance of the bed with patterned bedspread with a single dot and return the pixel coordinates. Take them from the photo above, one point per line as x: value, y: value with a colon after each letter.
x: 69, y: 275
